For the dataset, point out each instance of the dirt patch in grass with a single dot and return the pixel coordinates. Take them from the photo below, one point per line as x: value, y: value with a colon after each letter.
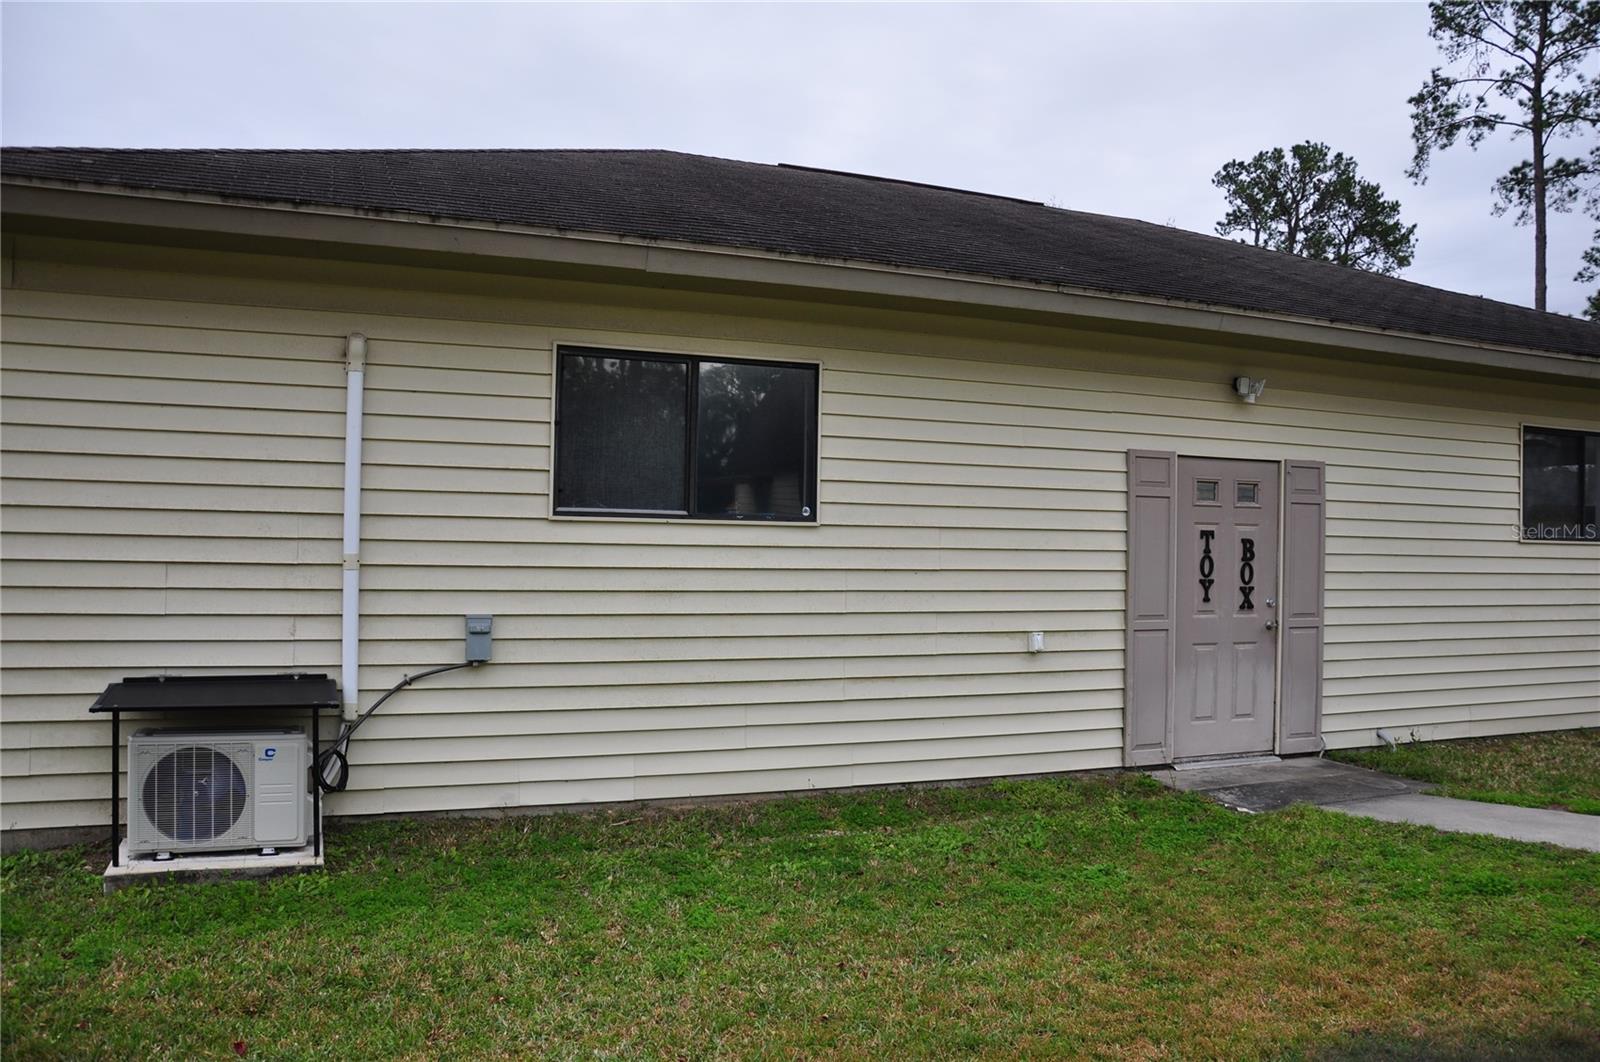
x: 1095, y: 917
x: 1560, y: 769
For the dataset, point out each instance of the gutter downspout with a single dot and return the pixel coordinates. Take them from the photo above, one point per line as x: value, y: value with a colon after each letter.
x: 355, y: 353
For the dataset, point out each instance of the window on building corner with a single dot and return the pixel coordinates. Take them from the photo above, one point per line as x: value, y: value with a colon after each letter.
x: 1560, y: 484
x: 664, y: 435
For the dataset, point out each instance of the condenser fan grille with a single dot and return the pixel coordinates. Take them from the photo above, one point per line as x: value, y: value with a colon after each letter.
x: 194, y: 793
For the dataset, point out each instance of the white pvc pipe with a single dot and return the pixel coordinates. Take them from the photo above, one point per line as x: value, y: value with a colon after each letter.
x: 355, y: 350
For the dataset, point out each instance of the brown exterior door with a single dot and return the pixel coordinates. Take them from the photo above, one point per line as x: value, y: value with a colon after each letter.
x: 1227, y: 578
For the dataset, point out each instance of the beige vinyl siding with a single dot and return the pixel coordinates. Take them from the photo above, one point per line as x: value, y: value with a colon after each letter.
x: 171, y: 502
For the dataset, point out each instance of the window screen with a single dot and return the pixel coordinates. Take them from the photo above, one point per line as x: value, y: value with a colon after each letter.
x: 621, y: 434
x: 680, y: 436
x: 1560, y: 484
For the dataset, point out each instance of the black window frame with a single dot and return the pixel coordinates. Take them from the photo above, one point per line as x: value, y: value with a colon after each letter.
x: 1584, y: 502
x: 691, y: 432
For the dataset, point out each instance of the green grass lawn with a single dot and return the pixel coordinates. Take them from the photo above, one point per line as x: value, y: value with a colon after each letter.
x: 1095, y: 916
x: 1554, y: 770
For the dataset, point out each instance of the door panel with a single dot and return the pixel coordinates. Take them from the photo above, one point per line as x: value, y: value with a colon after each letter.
x: 1227, y: 577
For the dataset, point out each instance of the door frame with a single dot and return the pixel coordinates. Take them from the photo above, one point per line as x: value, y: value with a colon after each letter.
x: 1150, y: 646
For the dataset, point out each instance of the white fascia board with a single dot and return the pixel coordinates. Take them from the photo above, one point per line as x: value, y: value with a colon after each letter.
x: 400, y: 232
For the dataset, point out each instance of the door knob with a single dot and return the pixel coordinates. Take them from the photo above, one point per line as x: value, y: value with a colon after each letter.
x: 1272, y: 625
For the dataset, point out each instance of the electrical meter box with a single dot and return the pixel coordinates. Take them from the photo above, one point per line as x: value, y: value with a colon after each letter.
x: 480, y: 632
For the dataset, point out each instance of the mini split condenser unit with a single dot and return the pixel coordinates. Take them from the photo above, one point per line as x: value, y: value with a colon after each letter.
x: 216, y: 790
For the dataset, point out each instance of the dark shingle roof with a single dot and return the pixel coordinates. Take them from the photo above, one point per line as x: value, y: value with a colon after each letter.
x: 671, y: 196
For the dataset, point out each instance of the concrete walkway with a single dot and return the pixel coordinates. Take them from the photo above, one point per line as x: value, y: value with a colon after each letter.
x: 1351, y: 790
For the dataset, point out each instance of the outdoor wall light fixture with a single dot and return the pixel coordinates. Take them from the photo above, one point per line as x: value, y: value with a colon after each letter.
x: 1247, y: 389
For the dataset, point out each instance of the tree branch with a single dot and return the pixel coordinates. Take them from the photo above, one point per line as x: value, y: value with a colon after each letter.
x: 1481, y: 120
x: 1519, y: 57
x: 1555, y: 121
x: 1557, y: 60
x: 1492, y: 81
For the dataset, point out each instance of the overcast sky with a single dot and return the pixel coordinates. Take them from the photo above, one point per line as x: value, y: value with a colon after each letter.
x: 1123, y: 110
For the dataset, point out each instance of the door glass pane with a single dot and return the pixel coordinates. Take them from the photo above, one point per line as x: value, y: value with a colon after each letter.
x: 754, y: 440
x: 1552, y: 483
x: 1205, y: 490
x: 1246, y: 494
x: 621, y: 437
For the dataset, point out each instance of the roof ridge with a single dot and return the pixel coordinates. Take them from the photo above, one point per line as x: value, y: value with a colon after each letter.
x: 903, y: 181
x: 354, y: 151
x: 527, y: 151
